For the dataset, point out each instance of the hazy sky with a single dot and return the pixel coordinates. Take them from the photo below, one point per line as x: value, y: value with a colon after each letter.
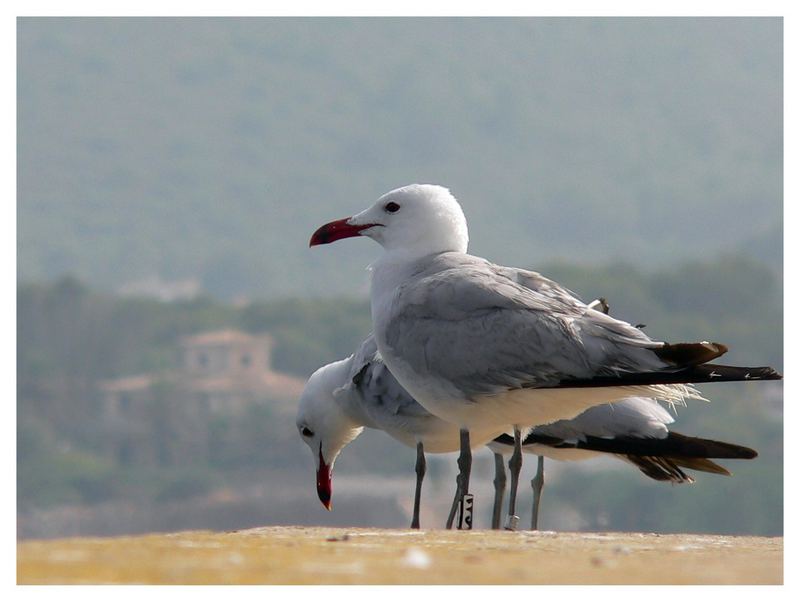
x: 212, y: 148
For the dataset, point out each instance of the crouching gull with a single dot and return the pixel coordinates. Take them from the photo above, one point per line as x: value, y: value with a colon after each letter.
x: 483, y: 345
x: 634, y: 430
x: 342, y: 398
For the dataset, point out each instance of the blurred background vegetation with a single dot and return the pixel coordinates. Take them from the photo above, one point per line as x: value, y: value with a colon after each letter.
x: 170, y: 172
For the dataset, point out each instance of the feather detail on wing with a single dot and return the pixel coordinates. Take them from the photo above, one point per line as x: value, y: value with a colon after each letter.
x: 379, y: 392
x: 486, y: 329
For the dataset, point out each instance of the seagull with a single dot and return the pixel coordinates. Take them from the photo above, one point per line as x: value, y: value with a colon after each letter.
x: 483, y: 345
x: 340, y: 399
x: 634, y: 430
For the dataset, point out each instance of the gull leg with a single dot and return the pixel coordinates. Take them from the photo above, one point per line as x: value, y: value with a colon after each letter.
x: 499, y: 489
x: 465, y: 468
x: 454, y: 507
x: 420, y: 470
x: 537, y: 483
x: 514, y: 465
x: 456, y: 503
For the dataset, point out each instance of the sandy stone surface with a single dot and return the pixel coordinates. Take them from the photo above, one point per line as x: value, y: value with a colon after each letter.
x: 318, y: 555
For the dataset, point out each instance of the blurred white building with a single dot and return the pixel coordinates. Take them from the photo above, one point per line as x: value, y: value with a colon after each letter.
x: 164, y: 418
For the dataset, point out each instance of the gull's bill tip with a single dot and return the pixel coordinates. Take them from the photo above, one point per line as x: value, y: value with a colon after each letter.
x: 324, y: 485
x: 337, y: 230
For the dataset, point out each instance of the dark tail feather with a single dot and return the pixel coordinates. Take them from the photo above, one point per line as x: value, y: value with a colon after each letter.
x: 701, y: 464
x: 660, y: 469
x: 684, y: 446
x: 674, y: 445
x: 659, y: 459
x: 706, y: 373
x: 663, y: 468
x: 690, y: 354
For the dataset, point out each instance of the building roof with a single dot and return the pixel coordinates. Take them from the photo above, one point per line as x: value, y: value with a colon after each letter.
x: 223, y: 336
x: 127, y: 384
x: 262, y: 380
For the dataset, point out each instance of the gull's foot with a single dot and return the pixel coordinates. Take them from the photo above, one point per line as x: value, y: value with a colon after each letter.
x: 512, y: 522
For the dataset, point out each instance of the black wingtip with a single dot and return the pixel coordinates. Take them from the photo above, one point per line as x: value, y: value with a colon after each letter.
x: 674, y: 446
x: 684, y: 446
x: 730, y: 373
x: 705, y: 373
x: 770, y: 373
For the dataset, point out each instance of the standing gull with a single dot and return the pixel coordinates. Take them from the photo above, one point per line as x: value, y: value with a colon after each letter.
x: 343, y: 397
x: 483, y: 345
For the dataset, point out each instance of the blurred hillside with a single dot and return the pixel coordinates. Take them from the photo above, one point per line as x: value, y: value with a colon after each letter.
x: 171, y: 171
x: 165, y: 461
x: 208, y: 150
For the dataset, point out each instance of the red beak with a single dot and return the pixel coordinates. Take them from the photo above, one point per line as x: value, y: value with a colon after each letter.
x: 324, y: 490
x: 337, y: 230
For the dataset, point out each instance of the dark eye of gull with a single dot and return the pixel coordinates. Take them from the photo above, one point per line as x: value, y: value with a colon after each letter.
x: 392, y: 207
x: 306, y: 432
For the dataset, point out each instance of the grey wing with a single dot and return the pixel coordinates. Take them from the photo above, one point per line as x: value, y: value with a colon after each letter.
x: 542, y: 285
x: 379, y: 392
x: 473, y: 324
x: 631, y: 417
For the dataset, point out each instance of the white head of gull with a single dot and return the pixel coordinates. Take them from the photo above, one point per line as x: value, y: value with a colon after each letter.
x: 325, y: 431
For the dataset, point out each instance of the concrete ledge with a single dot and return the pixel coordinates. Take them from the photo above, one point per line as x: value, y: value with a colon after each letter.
x: 318, y: 555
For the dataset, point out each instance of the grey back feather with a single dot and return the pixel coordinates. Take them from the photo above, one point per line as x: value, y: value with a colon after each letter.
x: 381, y: 397
x: 485, y: 328
x: 379, y: 393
